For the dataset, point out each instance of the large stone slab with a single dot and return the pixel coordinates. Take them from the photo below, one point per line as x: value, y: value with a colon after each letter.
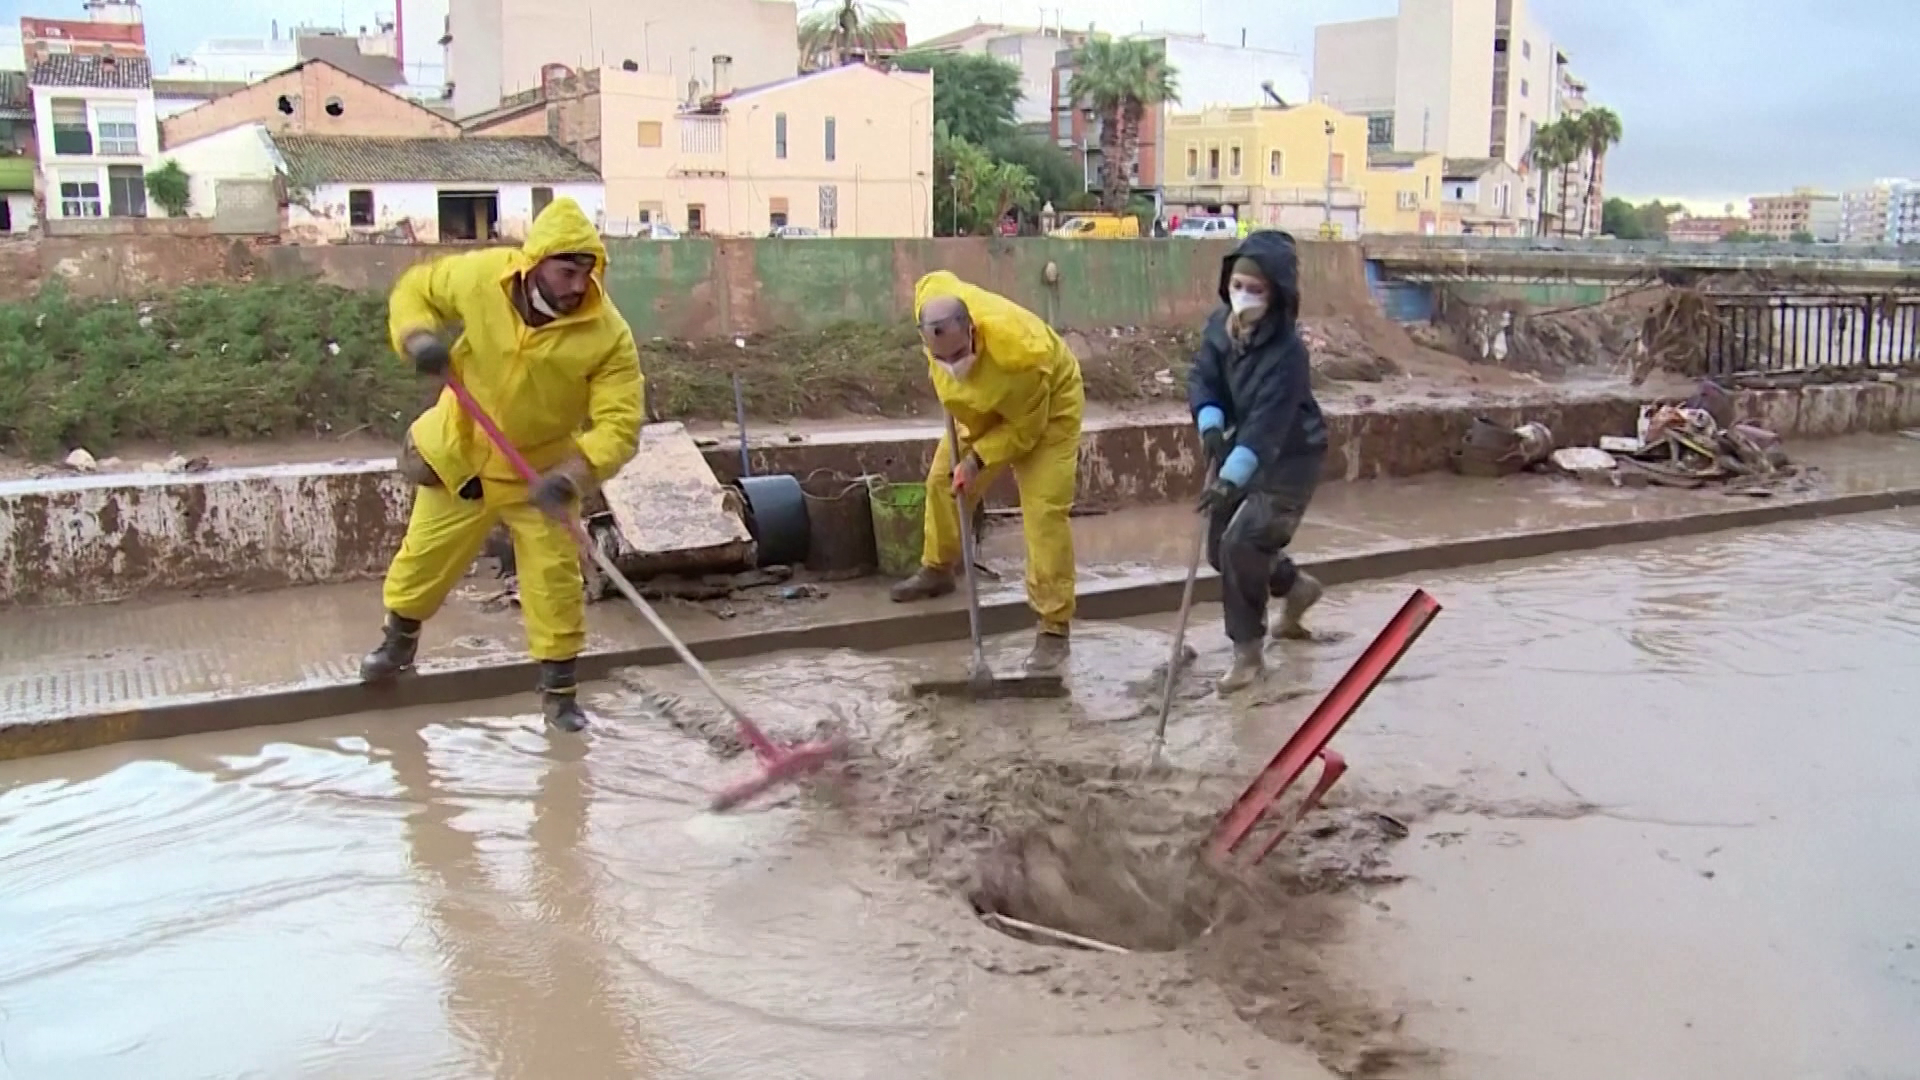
x: 672, y: 512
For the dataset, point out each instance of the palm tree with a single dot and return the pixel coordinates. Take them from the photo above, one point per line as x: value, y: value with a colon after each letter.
x: 834, y: 30
x: 1119, y: 81
x: 1000, y: 186
x: 1554, y: 148
x: 1599, y: 131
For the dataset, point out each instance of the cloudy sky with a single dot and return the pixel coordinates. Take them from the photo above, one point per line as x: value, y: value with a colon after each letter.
x: 1720, y: 98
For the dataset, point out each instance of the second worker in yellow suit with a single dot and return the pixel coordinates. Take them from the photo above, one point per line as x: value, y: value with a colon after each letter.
x: 1013, y: 387
x: 552, y: 362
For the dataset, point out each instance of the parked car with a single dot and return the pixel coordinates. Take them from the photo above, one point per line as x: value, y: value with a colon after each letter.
x: 657, y: 230
x: 1208, y: 227
x: 1098, y: 227
x: 794, y: 232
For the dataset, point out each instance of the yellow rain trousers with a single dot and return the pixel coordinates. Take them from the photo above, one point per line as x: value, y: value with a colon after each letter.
x: 1019, y: 408
x: 569, y: 389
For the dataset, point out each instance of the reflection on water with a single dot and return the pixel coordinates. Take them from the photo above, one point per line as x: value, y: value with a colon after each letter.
x: 432, y: 895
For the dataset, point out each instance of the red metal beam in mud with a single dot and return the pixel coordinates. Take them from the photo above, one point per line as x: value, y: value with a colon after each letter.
x: 1310, y: 740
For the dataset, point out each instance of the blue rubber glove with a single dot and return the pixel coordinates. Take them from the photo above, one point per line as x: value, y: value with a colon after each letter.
x: 1226, y: 490
x: 1213, y: 432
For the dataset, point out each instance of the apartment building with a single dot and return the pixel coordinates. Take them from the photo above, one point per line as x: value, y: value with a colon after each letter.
x: 1472, y: 80
x: 1034, y: 50
x: 1208, y: 74
x: 847, y: 151
x: 1305, y: 169
x: 1903, y: 215
x: 112, y: 27
x: 1866, y: 213
x: 94, y: 123
x: 496, y: 49
x: 1704, y: 230
x: 1803, y: 213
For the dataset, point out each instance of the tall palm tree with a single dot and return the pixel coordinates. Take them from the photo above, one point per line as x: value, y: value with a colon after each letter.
x: 1120, y: 81
x: 1599, y: 131
x: 832, y: 31
x: 1554, y: 147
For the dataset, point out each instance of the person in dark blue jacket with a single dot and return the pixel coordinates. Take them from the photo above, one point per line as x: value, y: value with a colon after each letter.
x: 1250, y: 389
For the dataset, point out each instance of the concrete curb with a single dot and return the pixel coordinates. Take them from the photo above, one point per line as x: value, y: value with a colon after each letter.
x: 196, y: 714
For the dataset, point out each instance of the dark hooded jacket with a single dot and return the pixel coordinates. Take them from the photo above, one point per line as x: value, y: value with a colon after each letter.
x: 1266, y: 387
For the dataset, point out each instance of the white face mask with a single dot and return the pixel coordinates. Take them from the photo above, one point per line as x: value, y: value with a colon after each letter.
x: 1245, y: 301
x: 959, y: 368
x: 538, y: 301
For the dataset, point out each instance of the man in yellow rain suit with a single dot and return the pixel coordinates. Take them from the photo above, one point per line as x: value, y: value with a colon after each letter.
x: 551, y: 361
x: 1013, y: 388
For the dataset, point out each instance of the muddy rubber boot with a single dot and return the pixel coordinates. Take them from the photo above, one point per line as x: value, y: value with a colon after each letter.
x: 926, y: 583
x: 559, y: 697
x: 396, y: 651
x: 1249, y: 663
x: 1050, y: 652
x: 1305, y: 593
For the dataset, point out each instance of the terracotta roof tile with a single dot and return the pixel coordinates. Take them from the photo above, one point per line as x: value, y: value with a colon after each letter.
x: 96, y: 72
x: 348, y: 160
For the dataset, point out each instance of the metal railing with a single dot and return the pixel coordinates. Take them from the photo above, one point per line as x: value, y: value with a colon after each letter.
x: 1775, y: 332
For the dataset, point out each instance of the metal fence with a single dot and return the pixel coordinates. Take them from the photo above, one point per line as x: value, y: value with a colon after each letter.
x: 1781, y: 332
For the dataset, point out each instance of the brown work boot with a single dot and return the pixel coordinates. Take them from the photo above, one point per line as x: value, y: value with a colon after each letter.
x: 1050, y: 652
x: 926, y: 583
x: 1249, y: 664
x: 1305, y: 593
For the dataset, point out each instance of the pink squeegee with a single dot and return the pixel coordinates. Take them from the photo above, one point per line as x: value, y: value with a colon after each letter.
x: 777, y: 763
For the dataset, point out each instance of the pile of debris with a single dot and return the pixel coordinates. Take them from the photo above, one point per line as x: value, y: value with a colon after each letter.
x: 1686, y: 444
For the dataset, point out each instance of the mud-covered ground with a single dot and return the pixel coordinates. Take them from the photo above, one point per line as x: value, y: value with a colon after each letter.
x: 1605, y: 819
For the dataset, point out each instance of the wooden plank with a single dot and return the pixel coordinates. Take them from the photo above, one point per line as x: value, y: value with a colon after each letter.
x: 672, y: 512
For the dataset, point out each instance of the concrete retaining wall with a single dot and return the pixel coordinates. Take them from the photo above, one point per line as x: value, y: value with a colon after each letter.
x: 107, y: 538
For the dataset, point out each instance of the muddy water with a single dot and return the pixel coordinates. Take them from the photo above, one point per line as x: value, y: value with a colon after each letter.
x: 1662, y: 803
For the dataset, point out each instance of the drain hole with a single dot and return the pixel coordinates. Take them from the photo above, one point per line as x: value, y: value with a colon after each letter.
x: 1069, y: 887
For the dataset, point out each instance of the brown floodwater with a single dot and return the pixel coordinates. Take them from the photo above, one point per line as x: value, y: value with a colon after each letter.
x: 1663, y: 803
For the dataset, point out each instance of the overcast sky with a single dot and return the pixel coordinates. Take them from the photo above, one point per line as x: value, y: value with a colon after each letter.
x: 1720, y: 98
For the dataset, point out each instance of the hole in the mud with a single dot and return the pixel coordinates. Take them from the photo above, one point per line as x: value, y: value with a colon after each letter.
x: 1070, y: 887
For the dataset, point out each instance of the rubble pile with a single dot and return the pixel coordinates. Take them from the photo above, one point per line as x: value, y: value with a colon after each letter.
x: 1689, y: 443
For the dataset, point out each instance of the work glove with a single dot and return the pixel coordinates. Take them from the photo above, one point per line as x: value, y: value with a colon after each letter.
x: 559, y: 488
x: 1216, y: 444
x: 965, y: 473
x: 1221, y: 494
x: 428, y: 353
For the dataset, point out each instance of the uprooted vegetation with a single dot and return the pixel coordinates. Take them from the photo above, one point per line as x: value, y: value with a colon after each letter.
x: 283, y: 360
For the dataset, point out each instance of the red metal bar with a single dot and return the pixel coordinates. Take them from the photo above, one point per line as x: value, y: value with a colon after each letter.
x: 1321, y: 725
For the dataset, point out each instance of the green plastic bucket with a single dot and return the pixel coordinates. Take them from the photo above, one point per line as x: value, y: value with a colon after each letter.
x: 899, y: 523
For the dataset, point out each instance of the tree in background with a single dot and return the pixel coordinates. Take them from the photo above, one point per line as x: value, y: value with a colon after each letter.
x: 837, y: 29
x: 975, y: 97
x: 1625, y: 221
x: 1599, y: 131
x: 170, y: 188
x: 1001, y: 186
x: 1120, y: 81
x: 973, y: 94
x: 1555, y: 146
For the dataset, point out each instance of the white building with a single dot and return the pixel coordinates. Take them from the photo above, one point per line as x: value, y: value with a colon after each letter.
x: 1212, y: 73
x: 427, y: 190
x: 1903, y: 214
x: 1866, y: 214
x: 94, y: 123
x: 1031, y: 49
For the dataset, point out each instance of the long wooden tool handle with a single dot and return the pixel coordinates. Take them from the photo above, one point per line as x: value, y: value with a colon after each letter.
x: 966, y: 548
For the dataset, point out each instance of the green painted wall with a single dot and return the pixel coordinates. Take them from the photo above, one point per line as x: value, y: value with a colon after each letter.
x: 1540, y: 295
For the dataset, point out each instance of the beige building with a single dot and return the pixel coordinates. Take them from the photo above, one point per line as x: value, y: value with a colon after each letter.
x: 1805, y: 211
x: 847, y: 151
x: 312, y: 98
x: 496, y: 49
x: 1471, y: 80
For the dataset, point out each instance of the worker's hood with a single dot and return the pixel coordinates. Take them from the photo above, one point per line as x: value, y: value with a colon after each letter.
x: 1279, y: 263
x: 564, y: 229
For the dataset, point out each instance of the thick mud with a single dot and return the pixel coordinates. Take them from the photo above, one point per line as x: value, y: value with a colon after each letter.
x: 1605, y: 820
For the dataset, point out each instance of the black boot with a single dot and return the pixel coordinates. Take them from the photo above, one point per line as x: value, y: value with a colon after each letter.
x: 559, y: 696
x: 396, y: 651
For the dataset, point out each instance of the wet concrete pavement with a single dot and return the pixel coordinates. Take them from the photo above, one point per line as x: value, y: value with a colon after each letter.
x: 80, y: 660
x: 1663, y: 802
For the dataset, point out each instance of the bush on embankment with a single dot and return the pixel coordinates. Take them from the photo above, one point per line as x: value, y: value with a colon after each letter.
x: 289, y: 359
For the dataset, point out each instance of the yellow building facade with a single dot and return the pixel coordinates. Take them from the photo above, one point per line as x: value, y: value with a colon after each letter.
x: 1303, y: 169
